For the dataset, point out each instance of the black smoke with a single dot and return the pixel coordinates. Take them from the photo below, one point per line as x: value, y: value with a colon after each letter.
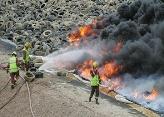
x: 140, y: 27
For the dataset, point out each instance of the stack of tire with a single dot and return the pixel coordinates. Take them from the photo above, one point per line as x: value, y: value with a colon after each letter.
x: 36, y: 63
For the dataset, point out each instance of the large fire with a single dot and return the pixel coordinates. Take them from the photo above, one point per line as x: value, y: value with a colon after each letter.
x: 108, y: 69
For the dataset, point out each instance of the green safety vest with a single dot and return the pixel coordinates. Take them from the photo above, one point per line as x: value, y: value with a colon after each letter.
x: 27, y: 59
x: 13, y: 65
x: 95, y: 81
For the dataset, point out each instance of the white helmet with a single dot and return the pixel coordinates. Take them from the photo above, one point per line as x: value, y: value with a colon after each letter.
x: 14, y: 53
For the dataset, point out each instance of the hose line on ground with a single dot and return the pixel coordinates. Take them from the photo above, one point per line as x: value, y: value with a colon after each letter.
x: 12, y: 96
x: 27, y: 85
x: 29, y: 95
x: 5, y: 86
x: 3, y: 68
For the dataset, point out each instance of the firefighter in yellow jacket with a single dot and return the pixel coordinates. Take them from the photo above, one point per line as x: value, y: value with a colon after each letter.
x: 13, y: 69
x: 26, y: 56
x: 95, y: 81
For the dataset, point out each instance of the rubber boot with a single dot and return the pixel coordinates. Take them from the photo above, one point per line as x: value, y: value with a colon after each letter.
x: 12, y: 86
x: 15, y: 82
x: 89, y: 99
x: 97, y: 101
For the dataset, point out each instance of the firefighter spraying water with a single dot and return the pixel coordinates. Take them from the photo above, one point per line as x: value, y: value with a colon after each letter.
x: 26, y: 56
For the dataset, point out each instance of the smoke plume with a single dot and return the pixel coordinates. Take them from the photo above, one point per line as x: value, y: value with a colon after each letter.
x: 140, y: 29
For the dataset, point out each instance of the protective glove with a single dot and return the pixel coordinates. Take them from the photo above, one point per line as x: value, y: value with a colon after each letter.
x: 7, y: 71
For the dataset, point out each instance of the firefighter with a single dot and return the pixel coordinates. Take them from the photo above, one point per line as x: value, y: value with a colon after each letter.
x: 13, y: 69
x: 26, y: 56
x: 95, y: 81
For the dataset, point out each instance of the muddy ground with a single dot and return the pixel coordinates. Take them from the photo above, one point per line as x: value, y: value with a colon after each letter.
x: 54, y: 96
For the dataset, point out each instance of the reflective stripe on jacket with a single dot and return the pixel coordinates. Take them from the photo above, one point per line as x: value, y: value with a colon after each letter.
x: 95, y: 81
x: 13, y: 64
x: 27, y: 58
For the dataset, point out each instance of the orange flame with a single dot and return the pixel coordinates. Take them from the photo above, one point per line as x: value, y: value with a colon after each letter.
x: 106, y: 71
x: 150, y: 96
x: 86, y: 30
x: 109, y: 69
x: 74, y: 37
x: 153, y: 95
x: 85, y: 69
x: 81, y: 33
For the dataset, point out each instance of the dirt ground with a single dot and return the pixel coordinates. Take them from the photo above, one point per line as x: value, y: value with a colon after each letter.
x: 54, y: 96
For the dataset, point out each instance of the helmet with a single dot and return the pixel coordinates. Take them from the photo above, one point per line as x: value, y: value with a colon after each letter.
x: 14, y: 53
x: 27, y: 44
x: 95, y: 64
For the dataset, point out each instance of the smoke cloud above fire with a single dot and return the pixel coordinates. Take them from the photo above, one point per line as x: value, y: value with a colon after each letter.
x: 141, y: 35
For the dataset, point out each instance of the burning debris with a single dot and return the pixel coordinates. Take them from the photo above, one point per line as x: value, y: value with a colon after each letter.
x: 81, y: 33
x: 151, y: 95
x: 106, y: 71
x: 128, y: 45
x: 147, y: 95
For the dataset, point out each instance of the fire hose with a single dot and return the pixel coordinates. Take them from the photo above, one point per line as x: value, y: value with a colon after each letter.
x: 29, y: 95
x: 5, y: 86
x: 12, y: 96
x: 2, y: 66
x: 28, y: 89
